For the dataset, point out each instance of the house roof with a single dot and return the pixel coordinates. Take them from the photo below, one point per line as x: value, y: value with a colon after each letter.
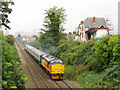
x: 99, y: 22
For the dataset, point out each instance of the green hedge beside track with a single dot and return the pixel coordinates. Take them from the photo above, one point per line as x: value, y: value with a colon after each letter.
x: 12, y: 73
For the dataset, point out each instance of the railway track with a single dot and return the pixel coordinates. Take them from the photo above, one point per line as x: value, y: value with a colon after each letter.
x: 68, y: 85
x: 33, y: 77
x: 42, y: 79
x: 63, y: 84
x: 40, y: 82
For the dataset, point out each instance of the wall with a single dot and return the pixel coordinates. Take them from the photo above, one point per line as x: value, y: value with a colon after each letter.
x: 100, y: 33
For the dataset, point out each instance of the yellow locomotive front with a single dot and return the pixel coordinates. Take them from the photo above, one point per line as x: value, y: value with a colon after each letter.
x: 57, y: 70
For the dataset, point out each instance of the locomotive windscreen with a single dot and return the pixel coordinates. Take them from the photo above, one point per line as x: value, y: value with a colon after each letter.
x: 56, y: 61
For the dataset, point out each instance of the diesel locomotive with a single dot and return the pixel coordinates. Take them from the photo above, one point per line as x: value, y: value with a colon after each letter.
x: 51, y: 64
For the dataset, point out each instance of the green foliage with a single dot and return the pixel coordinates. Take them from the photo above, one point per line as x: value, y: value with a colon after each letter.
x: 74, y: 52
x: 107, y: 79
x: 12, y: 73
x: 97, y: 62
x: 54, y: 19
x: 71, y: 74
x: 10, y: 39
x: 5, y: 10
x: 107, y: 52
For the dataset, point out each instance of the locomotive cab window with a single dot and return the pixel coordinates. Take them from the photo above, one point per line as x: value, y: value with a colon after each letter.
x: 56, y: 62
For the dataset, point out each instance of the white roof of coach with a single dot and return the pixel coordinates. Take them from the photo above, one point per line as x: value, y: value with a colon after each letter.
x: 48, y: 57
x: 34, y: 50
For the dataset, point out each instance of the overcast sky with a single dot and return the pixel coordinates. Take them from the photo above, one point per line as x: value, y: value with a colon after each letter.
x: 28, y: 15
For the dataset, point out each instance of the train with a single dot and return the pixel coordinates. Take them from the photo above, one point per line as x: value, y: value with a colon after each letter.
x: 53, y: 65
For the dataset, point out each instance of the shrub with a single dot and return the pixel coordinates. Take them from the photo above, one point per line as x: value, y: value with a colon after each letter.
x: 12, y: 74
x: 10, y: 39
x: 70, y: 73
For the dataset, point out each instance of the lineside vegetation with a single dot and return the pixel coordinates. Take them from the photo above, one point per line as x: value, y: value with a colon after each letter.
x: 12, y: 73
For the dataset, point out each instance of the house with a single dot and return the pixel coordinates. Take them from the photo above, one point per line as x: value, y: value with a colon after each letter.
x: 92, y: 27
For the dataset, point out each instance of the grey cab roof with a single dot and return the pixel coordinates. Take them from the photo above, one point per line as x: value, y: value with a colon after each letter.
x: 49, y: 57
x: 99, y: 22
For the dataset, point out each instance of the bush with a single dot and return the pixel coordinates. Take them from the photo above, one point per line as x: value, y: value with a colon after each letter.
x: 10, y: 39
x: 106, y: 52
x: 70, y: 73
x: 12, y: 74
x: 96, y: 62
x: 74, y: 52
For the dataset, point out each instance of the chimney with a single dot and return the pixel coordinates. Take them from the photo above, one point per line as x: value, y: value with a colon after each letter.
x: 94, y: 19
x: 70, y: 33
x: 74, y: 33
x: 81, y: 22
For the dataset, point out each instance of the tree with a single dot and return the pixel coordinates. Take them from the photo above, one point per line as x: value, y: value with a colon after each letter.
x: 54, y: 19
x: 5, y: 10
x: 10, y: 39
x: 53, y: 23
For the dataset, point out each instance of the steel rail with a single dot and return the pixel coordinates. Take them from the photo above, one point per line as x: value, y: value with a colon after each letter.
x: 41, y: 77
x: 29, y: 69
x: 57, y: 84
x: 68, y: 85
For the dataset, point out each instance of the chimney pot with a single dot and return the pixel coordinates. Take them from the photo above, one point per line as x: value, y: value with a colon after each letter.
x: 93, y: 19
x: 74, y: 33
x: 70, y: 33
x: 81, y: 22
